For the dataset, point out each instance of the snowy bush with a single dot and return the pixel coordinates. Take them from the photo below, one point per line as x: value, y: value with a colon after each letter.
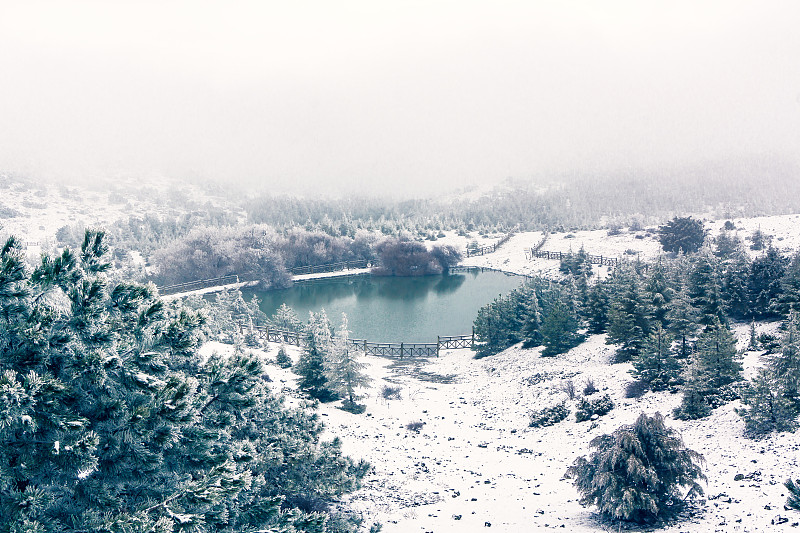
x: 548, y: 416
x: 599, y: 407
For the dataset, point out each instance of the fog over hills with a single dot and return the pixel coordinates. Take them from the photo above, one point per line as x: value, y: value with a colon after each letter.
x: 393, y: 98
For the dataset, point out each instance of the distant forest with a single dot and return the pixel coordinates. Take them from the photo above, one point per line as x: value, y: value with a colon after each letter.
x: 294, y: 231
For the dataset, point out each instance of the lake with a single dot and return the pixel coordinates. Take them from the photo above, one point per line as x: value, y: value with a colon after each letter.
x: 395, y: 309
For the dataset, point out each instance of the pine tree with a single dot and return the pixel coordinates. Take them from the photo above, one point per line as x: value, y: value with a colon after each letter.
x: 311, y: 364
x: 112, y: 422
x: 282, y: 359
x: 735, y: 275
x: 559, y: 330
x: 764, y: 284
x: 789, y: 298
x: 286, y: 318
x: 658, y: 293
x: 793, y: 500
x: 693, y: 404
x: 787, y: 364
x: 532, y: 319
x: 344, y: 370
x: 597, y: 308
x: 705, y: 289
x: 627, y: 319
x: 768, y: 408
x: 655, y: 363
x: 683, y: 321
x: 639, y: 473
x: 717, y: 363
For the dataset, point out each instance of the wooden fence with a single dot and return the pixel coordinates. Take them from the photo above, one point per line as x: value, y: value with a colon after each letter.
x: 593, y: 259
x: 387, y: 349
x: 197, y: 285
x: 489, y: 248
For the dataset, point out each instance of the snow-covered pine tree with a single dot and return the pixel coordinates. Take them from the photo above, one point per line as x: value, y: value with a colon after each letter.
x: 112, y: 421
x: 286, y: 318
x: 693, y: 404
x: 683, y: 321
x: 640, y: 473
x: 311, y: 364
x: 559, y: 329
x: 705, y: 288
x: 764, y: 284
x: 628, y: 325
x: 282, y: 359
x: 658, y: 293
x: 789, y: 298
x: 597, y: 308
x: 717, y: 363
x: 768, y: 409
x: 344, y: 370
x: 655, y: 363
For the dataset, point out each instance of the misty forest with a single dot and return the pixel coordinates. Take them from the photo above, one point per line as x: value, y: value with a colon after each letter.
x: 399, y: 267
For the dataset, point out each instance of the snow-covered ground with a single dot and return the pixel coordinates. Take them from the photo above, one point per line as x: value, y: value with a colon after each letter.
x: 475, y: 461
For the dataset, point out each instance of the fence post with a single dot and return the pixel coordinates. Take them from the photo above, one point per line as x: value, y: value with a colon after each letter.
x: 472, y: 344
x: 438, y: 341
x: 401, y: 350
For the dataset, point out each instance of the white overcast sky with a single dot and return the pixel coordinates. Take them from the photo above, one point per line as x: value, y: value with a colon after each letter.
x: 380, y: 96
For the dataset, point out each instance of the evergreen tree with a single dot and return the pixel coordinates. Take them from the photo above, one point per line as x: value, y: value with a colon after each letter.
x: 682, y: 234
x: 345, y: 372
x: 693, y: 404
x: 532, y: 320
x: 735, y: 275
x: 717, y: 361
x: 627, y: 319
x: 658, y: 293
x: 559, y: 330
x: 655, y: 363
x: 727, y: 245
x: 705, y: 289
x: 764, y: 285
x: 768, y: 408
x: 311, y: 364
x: 282, y: 359
x: 597, y: 308
x: 286, y: 318
x: 786, y: 365
x: 683, y: 321
x: 789, y: 298
x: 639, y: 473
x: 793, y: 500
x: 112, y: 422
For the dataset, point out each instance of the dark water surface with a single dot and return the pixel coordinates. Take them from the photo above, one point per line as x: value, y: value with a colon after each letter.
x: 392, y: 309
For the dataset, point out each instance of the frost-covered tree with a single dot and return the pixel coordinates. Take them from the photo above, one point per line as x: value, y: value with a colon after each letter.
x: 767, y: 407
x: 655, y: 363
x: 559, y: 330
x: 311, y: 364
x: 693, y: 403
x: 597, y: 308
x: 682, y: 234
x: 110, y: 420
x: 282, y: 359
x: 764, y: 285
x: 640, y: 473
x: 705, y: 288
x: 286, y: 318
x: 344, y: 371
x: 628, y: 324
x: 683, y: 321
x: 789, y: 298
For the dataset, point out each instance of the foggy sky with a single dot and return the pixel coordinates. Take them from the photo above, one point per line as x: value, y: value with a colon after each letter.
x: 375, y: 96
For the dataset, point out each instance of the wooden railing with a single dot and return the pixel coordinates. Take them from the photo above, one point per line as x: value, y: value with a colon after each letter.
x: 593, y: 259
x: 386, y: 349
x: 489, y: 248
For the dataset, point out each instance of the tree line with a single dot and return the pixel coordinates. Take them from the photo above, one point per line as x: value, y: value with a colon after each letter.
x: 672, y: 320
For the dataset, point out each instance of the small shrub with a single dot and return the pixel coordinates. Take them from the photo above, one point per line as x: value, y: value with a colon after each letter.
x: 729, y: 226
x: 391, y: 393
x: 548, y: 416
x: 770, y: 343
x: 353, y: 407
x: 631, y: 251
x: 282, y: 359
x: 636, y: 389
x: 589, y: 389
x: 251, y: 340
x: 588, y: 408
x: 568, y: 386
x: 415, y: 426
x: 614, y: 230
